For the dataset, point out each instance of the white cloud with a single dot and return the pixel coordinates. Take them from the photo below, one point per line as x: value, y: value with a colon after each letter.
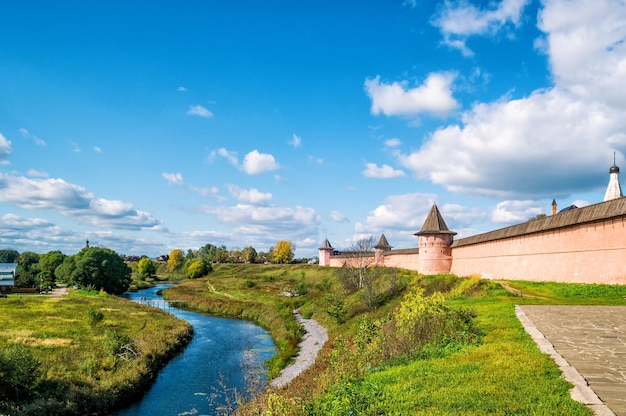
x: 212, y: 191
x: 255, y: 163
x: 28, y: 135
x: 338, y: 216
x: 382, y: 172
x: 296, y: 141
x: 198, y: 110
x: 5, y: 148
x: 433, y: 96
x: 73, y: 201
x: 37, y: 173
x: 173, y: 178
x: 457, y: 20
x: 181, y: 89
x: 393, y: 142
x: 97, y: 149
x: 252, y: 195
x: 401, y: 212
x: 515, y: 211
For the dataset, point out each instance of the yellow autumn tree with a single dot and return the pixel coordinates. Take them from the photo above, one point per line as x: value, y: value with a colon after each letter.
x: 283, y: 252
x: 175, y: 262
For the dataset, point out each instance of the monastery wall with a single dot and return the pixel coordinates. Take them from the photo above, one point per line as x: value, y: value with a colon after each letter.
x: 581, y: 253
x: 403, y: 259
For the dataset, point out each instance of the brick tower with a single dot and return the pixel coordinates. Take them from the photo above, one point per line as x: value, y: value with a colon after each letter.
x: 325, y: 251
x: 434, y: 240
x: 613, y: 190
x: 379, y: 250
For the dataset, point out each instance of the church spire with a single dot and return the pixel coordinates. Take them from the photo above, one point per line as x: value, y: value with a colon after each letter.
x: 614, y: 190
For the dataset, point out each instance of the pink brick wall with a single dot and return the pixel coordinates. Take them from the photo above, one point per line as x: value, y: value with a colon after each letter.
x: 584, y: 253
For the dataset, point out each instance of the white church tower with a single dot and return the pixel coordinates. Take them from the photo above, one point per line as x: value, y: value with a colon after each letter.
x: 614, y: 190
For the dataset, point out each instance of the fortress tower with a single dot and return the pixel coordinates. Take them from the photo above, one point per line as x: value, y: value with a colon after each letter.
x: 379, y: 250
x: 434, y: 239
x: 325, y: 251
x: 614, y: 190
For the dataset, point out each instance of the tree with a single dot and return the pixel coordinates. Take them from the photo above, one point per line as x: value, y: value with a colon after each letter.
x: 102, y: 269
x: 283, y: 252
x: 63, y: 272
x: 249, y: 254
x: 175, y: 262
x: 358, y: 271
x: 146, y: 268
x: 9, y: 256
x: 208, y: 252
x: 197, y: 269
x: 27, y: 270
x: 19, y: 371
x: 48, y: 263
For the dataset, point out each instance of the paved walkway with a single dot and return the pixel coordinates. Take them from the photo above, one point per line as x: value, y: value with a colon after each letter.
x: 589, y: 344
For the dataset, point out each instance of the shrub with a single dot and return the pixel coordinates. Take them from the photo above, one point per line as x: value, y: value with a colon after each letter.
x: 19, y: 371
x: 94, y: 316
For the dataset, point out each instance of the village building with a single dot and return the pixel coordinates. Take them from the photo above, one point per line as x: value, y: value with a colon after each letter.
x: 575, y: 245
x: 7, y: 277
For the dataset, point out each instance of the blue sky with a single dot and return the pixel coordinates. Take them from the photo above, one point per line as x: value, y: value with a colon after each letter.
x: 150, y: 126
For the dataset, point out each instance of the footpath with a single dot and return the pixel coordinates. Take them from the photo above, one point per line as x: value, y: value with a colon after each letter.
x: 312, y: 342
x: 589, y: 345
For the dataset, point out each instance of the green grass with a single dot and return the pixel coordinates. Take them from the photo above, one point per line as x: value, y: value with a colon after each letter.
x: 70, y: 336
x: 504, y: 373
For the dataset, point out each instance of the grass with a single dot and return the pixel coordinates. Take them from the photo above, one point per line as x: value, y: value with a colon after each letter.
x: 504, y: 373
x: 74, y: 338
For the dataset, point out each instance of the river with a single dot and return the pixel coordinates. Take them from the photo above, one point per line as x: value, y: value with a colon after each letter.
x: 218, y: 355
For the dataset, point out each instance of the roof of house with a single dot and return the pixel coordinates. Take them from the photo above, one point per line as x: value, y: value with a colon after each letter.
x: 591, y: 213
x: 434, y: 223
x: 326, y: 245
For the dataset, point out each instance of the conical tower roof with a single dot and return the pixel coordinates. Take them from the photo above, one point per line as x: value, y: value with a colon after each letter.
x: 383, y: 243
x: 434, y: 223
x: 326, y: 245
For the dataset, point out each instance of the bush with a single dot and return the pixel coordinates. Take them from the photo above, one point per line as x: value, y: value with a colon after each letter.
x: 19, y: 371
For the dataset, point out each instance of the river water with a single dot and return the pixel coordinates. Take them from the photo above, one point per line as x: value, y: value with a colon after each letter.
x: 218, y: 355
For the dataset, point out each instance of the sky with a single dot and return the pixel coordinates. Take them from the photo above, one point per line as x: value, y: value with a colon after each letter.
x: 148, y: 126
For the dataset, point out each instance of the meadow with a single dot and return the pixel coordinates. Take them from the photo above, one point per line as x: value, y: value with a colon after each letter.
x: 471, y: 355
x: 83, y: 353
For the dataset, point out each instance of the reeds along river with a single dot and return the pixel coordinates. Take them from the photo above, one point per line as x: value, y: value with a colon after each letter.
x: 219, y: 354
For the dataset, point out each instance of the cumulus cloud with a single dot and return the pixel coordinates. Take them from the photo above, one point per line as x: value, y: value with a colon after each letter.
x: 181, y: 89
x: 28, y: 135
x: 252, y: 195
x: 173, y: 178
x: 198, y: 110
x: 37, y: 173
x: 382, y: 172
x: 296, y: 141
x: 268, y: 223
x: 458, y: 20
x: 255, y: 163
x: 73, y: 201
x: 401, y: 212
x: 434, y: 96
x: 211, y: 191
x: 515, y: 211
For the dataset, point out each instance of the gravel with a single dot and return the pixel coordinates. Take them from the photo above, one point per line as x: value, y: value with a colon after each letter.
x: 312, y: 342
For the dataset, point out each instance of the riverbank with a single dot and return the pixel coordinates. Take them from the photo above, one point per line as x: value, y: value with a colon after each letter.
x: 92, y: 352
x: 312, y: 342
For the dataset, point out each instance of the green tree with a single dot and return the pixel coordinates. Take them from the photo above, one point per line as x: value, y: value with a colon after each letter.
x: 9, y: 256
x: 208, y: 252
x: 146, y: 268
x: 175, y: 262
x: 63, y: 272
x: 47, y: 265
x: 249, y: 254
x: 102, y: 269
x: 27, y: 270
x: 283, y: 252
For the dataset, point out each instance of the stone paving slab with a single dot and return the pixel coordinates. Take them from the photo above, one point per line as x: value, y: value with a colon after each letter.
x: 591, y: 340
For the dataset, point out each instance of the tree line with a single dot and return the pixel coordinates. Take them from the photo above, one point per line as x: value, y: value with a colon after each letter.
x: 104, y: 269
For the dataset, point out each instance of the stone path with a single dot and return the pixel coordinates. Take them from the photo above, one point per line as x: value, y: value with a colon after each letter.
x: 589, y: 344
x: 312, y: 342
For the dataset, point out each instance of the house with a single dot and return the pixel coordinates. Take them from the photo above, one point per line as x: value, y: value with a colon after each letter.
x: 7, y: 277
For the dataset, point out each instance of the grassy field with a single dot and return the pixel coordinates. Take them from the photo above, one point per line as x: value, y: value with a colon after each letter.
x: 94, y: 351
x: 363, y: 369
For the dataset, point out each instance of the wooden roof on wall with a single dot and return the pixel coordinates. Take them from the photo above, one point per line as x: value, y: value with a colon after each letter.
x: 592, y: 213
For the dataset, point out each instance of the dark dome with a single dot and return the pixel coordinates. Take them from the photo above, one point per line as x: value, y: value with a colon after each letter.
x: 614, y: 169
